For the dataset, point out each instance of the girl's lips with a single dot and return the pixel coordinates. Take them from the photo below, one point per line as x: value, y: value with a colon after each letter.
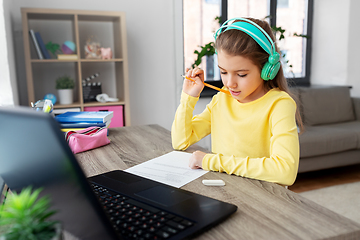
x: 234, y: 93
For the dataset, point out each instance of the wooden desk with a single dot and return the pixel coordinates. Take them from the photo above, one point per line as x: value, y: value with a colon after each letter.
x: 265, y: 210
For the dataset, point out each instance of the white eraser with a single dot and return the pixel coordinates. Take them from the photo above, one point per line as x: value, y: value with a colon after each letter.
x: 213, y: 182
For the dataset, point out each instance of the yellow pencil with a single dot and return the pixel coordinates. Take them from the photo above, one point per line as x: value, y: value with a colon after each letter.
x: 210, y: 86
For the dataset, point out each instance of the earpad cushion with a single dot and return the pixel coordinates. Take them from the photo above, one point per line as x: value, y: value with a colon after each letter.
x: 269, y: 71
x: 274, y: 71
x: 265, y: 71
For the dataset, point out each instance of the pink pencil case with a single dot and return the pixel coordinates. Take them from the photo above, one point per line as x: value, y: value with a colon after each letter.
x: 86, y: 139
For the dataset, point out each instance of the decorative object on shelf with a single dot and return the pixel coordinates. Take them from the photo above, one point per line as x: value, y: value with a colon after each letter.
x: 67, y: 57
x: 51, y: 97
x: 65, y: 86
x: 106, y: 53
x: 26, y: 216
x: 45, y: 105
x: 92, y: 50
x: 105, y: 98
x: 91, y: 89
x: 54, y: 48
x: 68, y: 47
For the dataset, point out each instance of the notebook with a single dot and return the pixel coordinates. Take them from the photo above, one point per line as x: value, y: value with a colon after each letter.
x: 112, y: 205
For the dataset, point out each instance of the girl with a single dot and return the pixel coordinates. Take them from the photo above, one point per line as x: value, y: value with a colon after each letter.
x: 253, y: 130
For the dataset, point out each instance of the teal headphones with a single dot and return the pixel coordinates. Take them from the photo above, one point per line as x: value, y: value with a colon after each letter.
x: 272, y: 66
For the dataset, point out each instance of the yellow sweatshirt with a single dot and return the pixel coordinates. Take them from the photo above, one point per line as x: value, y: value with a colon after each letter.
x: 256, y: 140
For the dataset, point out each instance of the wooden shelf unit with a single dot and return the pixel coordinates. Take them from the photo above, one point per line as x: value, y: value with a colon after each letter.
x: 57, y: 25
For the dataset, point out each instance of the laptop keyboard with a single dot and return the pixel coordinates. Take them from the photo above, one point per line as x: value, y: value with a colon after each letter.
x: 136, y: 220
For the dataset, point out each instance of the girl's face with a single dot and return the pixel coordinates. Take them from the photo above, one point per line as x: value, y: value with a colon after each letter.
x: 241, y: 76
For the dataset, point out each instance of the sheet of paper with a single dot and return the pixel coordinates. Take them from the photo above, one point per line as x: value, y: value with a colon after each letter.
x: 171, y: 169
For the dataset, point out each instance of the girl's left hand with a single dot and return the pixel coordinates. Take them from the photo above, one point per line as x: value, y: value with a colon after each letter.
x: 195, y: 160
x: 194, y: 88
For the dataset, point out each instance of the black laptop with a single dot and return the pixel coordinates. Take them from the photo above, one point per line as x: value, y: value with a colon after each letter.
x: 113, y: 205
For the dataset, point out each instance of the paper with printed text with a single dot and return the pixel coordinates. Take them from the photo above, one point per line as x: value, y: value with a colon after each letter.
x: 171, y: 169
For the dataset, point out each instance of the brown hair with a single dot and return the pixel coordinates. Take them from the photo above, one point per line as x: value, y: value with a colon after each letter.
x: 235, y: 42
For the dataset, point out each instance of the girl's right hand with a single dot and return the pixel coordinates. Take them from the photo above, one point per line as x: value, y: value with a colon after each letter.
x: 194, y: 88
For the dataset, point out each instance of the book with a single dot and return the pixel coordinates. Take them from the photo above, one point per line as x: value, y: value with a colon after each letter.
x: 43, y: 49
x: 67, y: 56
x: 58, y: 111
x: 89, y: 117
x: 37, y: 48
x: 84, y: 124
x: 71, y: 129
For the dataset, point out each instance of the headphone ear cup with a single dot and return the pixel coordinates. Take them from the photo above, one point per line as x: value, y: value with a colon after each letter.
x: 265, y: 71
x: 274, y: 70
x: 269, y: 71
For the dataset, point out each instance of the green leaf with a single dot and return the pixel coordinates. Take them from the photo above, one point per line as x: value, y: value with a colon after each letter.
x: 65, y: 82
x: 218, y: 19
x: 33, y: 197
x: 53, y: 48
x: 301, y: 35
x: 24, y: 216
x: 206, y: 50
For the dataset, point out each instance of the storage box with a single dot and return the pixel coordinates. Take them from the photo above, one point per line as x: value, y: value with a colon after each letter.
x: 118, y: 118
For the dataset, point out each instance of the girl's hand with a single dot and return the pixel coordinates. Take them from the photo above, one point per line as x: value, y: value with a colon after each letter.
x: 194, y: 88
x: 195, y: 160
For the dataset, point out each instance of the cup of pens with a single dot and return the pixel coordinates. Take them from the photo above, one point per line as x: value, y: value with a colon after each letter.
x: 44, y: 105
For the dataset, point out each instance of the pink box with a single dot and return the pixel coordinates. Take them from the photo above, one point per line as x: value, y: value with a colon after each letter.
x: 117, y: 120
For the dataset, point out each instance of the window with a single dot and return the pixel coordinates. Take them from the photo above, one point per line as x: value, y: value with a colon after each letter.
x: 199, y: 27
x: 247, y: 8
x: 295, y: 16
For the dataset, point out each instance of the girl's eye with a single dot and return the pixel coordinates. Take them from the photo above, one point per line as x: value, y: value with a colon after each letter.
x: 222, y: 72
x: 242, y: 75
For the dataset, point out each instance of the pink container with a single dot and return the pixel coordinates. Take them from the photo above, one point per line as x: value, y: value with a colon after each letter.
x: 117, y: 120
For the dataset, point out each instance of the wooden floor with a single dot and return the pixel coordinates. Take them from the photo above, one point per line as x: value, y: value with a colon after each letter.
x: 326, y: 178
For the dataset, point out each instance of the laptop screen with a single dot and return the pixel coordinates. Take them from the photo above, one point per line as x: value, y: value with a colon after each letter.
x: 33, y: 152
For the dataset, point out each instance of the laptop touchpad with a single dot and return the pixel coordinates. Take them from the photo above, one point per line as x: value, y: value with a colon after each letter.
x: 163, y: 195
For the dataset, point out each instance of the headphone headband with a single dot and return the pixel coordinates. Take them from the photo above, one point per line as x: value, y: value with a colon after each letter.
x: 252, y: 29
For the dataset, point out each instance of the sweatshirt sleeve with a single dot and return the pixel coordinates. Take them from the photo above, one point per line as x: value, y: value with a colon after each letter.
x: 186, y: 129
x: 282, y: 164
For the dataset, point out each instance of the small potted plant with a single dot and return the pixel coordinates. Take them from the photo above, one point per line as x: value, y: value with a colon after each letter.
x: 207, y: 50
x: 65, y: 85
x: 25, y: 216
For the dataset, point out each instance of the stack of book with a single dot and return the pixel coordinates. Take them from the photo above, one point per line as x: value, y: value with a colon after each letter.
x: 75, y: 121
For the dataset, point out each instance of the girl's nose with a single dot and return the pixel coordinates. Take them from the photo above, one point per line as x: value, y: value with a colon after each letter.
x: 232, y: 82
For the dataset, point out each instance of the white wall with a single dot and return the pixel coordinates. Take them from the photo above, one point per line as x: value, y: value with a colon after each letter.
x: 335, y: 44
x: 354, y: 48
x: 330, y: 42
x: 154, y: 36
x: 7, y: 70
